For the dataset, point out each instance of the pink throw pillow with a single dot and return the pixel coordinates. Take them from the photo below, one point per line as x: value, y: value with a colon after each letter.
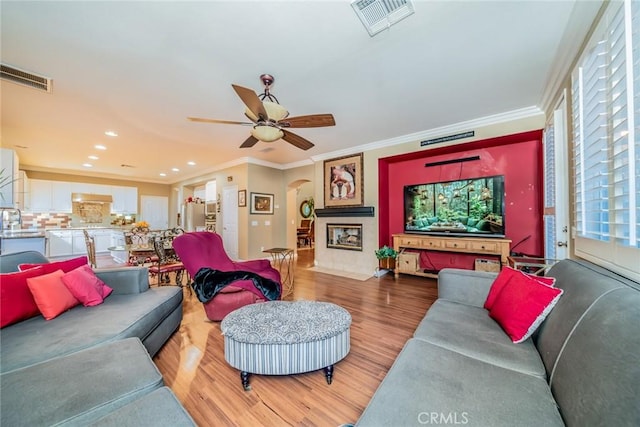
x: 66, y: 265
x: 16, y: 301
x: 504, y: 276
x: 84, y: 286
x: 51, y: 295
x: 522, y: 305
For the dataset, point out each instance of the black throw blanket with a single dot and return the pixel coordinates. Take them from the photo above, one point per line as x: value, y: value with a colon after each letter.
x: 208, y: 282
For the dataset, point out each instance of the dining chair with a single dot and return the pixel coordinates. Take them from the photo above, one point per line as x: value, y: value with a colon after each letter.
x: 91, y: 248
x: 167, y: 262
x: 305, y: 232
x: 140, y: 237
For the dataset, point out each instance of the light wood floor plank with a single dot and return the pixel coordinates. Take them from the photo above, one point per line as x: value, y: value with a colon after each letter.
x: 385, y: 313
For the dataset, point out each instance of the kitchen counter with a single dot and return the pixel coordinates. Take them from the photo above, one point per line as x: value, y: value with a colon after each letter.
x: 22, y: 234
x: 102, y: 227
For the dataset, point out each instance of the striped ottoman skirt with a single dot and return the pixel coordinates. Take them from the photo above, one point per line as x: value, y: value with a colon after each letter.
x: 286, y: 337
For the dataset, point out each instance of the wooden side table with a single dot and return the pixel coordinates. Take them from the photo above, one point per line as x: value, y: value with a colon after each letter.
x: 531, y: 265
x: 282, y: 259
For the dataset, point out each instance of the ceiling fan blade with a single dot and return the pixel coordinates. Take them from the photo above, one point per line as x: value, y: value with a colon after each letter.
x: 252, y: 101
x: 296, y: 140
x: 250, y: 142
x: 226, y: 122
x: 310, y: 121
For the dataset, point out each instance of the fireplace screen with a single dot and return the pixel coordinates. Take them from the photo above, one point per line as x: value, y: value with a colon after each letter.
x: 344, y: 236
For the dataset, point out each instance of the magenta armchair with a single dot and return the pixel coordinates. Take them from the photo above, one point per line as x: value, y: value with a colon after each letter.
x: 204, y: 249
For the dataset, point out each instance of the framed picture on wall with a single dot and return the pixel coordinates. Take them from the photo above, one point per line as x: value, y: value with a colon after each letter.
x: 261, y: 204
x: 242, y: 198
x: 343, y: 181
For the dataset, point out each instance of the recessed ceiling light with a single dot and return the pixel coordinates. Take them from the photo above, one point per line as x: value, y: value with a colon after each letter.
x: 191, y: 163
x: 100, y: 147
x: 163, y: 174
x: 94, y: 157
x: 175, y: 169
x: 87, y: 165
x: 111, y: 133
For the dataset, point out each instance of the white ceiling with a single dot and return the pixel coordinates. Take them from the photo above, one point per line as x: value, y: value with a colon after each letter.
x: 140, y: 68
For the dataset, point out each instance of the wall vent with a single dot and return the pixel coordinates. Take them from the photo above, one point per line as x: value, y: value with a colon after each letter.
x: 25, y: 78
x: 378, y: 15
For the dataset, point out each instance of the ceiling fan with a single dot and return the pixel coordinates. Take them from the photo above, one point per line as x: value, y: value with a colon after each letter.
x: 269, y: 119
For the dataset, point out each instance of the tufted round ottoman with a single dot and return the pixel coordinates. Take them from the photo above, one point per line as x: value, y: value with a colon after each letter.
x: 285, y: 337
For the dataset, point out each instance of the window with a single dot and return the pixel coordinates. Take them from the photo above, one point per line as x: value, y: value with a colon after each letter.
x: 606, y: 142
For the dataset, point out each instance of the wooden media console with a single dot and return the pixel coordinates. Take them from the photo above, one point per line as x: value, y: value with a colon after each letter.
x: 472, y: 245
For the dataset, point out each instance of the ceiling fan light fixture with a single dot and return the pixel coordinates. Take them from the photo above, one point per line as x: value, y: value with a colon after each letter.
x: 267, y: 133
x: 275, y: 112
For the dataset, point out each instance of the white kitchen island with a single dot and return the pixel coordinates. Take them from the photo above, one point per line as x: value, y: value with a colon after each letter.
x: 22, y: 240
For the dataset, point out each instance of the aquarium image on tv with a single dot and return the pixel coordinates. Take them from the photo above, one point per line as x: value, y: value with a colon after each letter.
x: 464, y: 207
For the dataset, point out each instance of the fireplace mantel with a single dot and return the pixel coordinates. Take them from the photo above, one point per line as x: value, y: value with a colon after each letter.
x: 358, y: 211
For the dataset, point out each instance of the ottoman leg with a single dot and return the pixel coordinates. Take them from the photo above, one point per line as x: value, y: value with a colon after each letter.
x: 328, y: 372
x: 244, y: 376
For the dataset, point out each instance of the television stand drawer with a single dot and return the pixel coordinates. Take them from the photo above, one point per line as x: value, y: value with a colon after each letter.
x: 431, y: 244
x: 490, y: 247
x: 455, y: 244
x: 411, y: 242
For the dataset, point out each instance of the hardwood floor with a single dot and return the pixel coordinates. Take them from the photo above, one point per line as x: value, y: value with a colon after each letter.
x: 385, y: 313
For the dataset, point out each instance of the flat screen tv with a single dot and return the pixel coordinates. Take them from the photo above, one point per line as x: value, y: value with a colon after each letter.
x: 466, y: 207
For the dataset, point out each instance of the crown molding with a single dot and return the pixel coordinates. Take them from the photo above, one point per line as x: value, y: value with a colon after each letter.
x: 508, y: 116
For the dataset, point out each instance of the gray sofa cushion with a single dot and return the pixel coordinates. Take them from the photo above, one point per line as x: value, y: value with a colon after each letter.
x: 75, y: 389
x: 596, y: 380
x: 465, y: 286
x: 470, y: 331
x: 10, y: 262
x: 120, y: 316
x: 427, y: 380
x: 158, y: 408
x: 583, y: 284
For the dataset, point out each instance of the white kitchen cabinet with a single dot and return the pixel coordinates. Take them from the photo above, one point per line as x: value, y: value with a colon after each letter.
x: 50, y: 196
x: 117, y: 238
x: 79, y: 245
x: 8, y: 178
x: 41, y: 195
x: 125, y: 199
x: 60, y: 243
x: 61, y: 196
x: 131, y: 200
x: 24, y: 192
x: 102, y: 239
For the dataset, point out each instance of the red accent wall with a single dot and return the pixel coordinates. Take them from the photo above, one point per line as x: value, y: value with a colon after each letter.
x: 518, y: 157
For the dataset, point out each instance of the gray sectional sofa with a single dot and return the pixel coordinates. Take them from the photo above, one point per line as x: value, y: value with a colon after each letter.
x: 92, y: 364
x: 580, y: 368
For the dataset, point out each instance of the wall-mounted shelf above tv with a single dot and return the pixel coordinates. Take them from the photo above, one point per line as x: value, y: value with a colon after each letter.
x: 358, y: 211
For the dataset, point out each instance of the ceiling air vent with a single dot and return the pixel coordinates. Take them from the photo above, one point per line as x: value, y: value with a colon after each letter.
x: 378, y: 15
x: 25, y: 78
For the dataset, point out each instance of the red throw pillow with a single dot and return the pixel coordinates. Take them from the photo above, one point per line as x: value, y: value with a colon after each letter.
x: 503, y: 277
x: 16, y: 301
x: 51, y: 295
x: 65, y: 265
x: 84, y: 286
x: 522, y: 305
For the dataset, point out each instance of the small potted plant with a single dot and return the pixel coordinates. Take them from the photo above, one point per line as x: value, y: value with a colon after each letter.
x: 386, y: 257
